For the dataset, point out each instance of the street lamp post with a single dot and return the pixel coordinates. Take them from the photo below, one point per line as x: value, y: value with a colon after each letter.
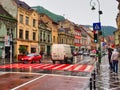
x: 93, y: 4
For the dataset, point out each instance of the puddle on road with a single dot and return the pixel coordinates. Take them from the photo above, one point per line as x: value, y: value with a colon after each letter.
x: 11, y: 80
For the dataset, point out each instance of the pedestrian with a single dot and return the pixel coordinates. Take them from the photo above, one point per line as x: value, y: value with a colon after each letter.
x: 75, y: 54
x: 42, y: 54
x: 115, y: 59
x: 109, y: 58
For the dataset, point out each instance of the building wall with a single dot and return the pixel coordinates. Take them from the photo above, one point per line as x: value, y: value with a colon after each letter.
x: 54, y: 34
x: 117, y: 32
x: 29, y: 43
x: 66, y: 38
x: 53, y: 27
x: 10, y: 7
x: 45, y: 36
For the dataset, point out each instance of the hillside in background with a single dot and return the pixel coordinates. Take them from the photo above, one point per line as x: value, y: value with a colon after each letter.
x: 54, y: 17
x: 106, y: 30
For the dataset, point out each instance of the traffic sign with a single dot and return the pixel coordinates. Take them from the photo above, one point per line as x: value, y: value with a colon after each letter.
x: 97, y: 26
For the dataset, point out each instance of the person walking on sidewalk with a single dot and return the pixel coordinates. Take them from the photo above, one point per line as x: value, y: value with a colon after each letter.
x: 115, y: 59
x: 109, y: 58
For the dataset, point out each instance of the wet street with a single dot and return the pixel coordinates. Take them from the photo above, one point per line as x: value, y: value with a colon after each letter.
x: 50, y: 76
x: 105, y: 80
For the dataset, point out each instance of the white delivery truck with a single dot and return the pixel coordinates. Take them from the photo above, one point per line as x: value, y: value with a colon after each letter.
x: 62, y: 53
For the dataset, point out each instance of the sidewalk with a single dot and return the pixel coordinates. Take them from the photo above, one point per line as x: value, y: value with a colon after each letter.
x: 105, y: 80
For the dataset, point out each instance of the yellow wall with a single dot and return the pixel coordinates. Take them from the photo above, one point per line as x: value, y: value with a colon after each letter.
x: 117, y: 32
x: 29, y: 43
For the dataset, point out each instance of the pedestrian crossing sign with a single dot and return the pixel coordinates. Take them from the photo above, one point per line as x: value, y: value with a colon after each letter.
x: 97, y: 26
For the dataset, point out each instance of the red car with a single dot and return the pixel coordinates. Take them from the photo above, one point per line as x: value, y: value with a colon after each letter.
x: 31, y: 58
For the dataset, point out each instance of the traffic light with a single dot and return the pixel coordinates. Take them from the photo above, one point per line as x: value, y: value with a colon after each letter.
x: 95, y: 37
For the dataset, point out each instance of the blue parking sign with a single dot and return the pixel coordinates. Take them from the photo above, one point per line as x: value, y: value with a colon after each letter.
x: 97, y: 26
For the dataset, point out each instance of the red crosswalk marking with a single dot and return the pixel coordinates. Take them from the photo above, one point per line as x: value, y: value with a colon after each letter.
x: 77, y: 68
x: 82, y: 68
x: 59, y: 67
x: 66, y: 67
x: 40, y: 66
x: 50, y: 66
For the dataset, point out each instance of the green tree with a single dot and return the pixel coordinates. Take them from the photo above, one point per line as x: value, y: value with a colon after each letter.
x: 22, y: 49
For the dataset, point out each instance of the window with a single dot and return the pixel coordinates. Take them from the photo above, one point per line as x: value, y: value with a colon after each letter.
x: 21, y: 34
x: 27, y: 35
x: 62, y: 41
x: 53, y: 38
x: 40, y: 35
x: 44, y: 36
x: 33, y: 50
x: 34, y: 22
x: 48, y: 38
x: 27, y: 20
x: 34, y: 36
x: 21, y: 18
x: 8, y: 31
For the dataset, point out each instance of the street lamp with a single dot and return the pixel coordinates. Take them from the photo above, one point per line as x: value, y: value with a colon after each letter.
x: 93, y: 4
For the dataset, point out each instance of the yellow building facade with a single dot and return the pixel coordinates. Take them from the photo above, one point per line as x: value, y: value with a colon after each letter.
x: 117, y: 32
x: 27, y: 30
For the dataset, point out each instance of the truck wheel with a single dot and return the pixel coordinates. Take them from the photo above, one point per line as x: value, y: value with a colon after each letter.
x: 40, y: 61
x: 65, y: 60
x: 25, y: 62
x: 71, y: 60
x: 32, y: 62
x: 61, y: 61
x: 53, y: 61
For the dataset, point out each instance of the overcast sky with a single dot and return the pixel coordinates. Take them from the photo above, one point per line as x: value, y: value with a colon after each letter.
x: 79, y: 11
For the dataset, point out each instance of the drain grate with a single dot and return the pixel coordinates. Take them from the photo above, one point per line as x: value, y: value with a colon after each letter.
x: 26, y: 77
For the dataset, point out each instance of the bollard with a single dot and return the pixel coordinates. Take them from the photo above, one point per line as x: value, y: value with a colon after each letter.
x: 90, y: 83
x: 94, y: 82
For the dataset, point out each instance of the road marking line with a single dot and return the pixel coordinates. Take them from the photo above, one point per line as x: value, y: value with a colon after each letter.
x: 67, y: 67
x: 48, y: 66
x: 41, y: 65
x: 28, y: 82
x: 59, y: 66
x: 88, y: 68
x: 77, y: 68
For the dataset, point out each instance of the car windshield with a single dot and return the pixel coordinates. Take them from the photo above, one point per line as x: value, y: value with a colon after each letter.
x: 31, y: 54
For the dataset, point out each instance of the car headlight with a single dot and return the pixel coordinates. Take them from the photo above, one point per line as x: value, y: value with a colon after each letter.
x: 30, y: 58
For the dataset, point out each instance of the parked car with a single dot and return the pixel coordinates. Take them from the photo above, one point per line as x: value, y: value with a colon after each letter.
x: 92, y: 54
x: 80, y: 52
x: 31, y: 58
x: 86, y: 53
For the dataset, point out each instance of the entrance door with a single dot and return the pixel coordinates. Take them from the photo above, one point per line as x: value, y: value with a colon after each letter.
x: 48, y: 50
x: 7, y: 52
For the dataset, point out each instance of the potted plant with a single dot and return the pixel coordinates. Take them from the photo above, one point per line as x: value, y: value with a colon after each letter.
x: 22, y: 49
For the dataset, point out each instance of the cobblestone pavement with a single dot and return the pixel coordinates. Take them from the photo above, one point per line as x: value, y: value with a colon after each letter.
x: 105, y: 80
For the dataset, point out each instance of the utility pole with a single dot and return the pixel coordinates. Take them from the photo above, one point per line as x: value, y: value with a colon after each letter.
x: 98, y: 28
x: 11, y: 41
